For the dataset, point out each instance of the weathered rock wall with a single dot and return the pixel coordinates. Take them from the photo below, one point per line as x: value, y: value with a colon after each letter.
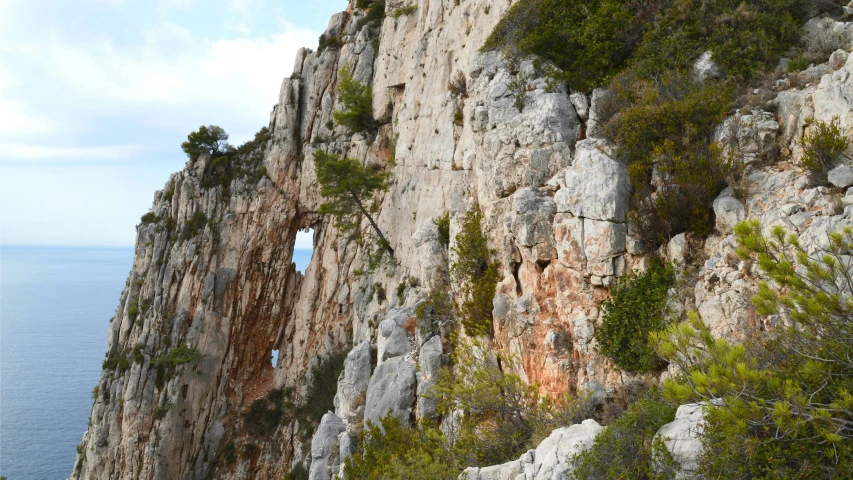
x: 554, y: 203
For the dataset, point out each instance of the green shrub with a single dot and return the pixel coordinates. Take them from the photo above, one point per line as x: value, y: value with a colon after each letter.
x: 160, y: 411
x: 443, y: 224
x: 745, y: 37
x: 475, y: 276
x: 798, y: 63
x: 625, y: 449
x: 357, y: 100
x: 117, y: 360
x: 209, y: 139
x: 133, y: 308
x: 589, y: 40
x: 320, y: 394
x: 331, y: 42
x: 403, y: 11
x: 636, y: 307
x: 95, y: 392
x: 194, y: 225
x: 782, y: 403
x: 373, y: 17
x: 176, y: 356
x: 169, y: 192
x: 298, y: 472
x: 150, y: 217
x: 664, y: 130
x: 244, y: 162
x: 266, y: 414
x: 823, y: 146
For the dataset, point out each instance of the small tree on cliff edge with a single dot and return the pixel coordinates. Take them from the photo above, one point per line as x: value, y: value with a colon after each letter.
x: 348, y: 186
x: 208, y: 139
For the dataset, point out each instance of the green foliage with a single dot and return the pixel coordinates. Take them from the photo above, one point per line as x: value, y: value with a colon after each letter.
x: 331, y: 42
x: 150, y: 217
x: 589, y: 40
x: 443, y: 224
x: 782, y: 405
x: 626, y: 448
x: 348, y: 187
x: 160, y: 411
x: 194, y: 225
x: 117, y: 360
x: 394, y: 451
x: 475, y: 276
x: 95, y: 392
x: 798, y: 63
x: 636, y: 307
x: 503, y: 415
x: 169, y: 193
x: 298, y: 472
x: 458, y: 116
x: 321, y: 391
x: 664, y: 130
x: 209, y: 139
x: 357, y: 100
x: 373, y: 17
x: 823, y: 146
x: 133, y: 308
x: 403, y: 11
x: 176, y: 356
x: 244, y: 162
x: 267, y: 413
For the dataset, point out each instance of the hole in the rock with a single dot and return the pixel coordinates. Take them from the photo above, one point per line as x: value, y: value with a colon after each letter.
x: 274, y: 358
x: 303, y: 249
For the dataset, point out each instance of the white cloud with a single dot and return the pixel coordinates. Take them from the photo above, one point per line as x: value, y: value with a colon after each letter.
x: 16, y: 121
x: 173, y: 69
x: 38, y: 152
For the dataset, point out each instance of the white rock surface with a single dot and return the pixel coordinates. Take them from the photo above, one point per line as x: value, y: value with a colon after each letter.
x: 682, y: 438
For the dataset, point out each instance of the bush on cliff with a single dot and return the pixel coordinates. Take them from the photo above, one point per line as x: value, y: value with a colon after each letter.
x: 357, y: 99
x: 778, y: 406
x: 626, y: 448
x: 210, y: 139
x: 823, y: 146
x: 475, y: 275
x: 636, y: 307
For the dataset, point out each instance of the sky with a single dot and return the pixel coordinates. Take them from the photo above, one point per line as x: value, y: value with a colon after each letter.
x: 96, y: 97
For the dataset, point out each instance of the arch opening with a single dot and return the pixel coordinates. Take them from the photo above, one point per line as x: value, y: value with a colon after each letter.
x: 303, y: 249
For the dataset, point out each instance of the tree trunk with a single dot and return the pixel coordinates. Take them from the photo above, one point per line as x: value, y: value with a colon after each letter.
x: 373, y: 224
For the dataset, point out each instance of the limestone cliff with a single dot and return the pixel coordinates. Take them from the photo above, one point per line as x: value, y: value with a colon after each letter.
x: 219, y: 276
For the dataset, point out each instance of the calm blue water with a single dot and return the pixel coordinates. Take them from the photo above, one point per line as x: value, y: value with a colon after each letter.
x: 55, y: 306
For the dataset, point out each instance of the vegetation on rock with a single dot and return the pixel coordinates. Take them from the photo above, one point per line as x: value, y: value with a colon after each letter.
x: 778, y: 406
x: 210, y: 139
x: 636, y: 307
x: 349, y: 189
x: 475, y: 275
x: 823, y: 146
x: 357, y: 100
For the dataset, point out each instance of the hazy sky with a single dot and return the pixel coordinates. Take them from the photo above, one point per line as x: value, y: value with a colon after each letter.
x: 96, y: 97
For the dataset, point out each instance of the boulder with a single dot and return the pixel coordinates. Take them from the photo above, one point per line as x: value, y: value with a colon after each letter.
x: 352, y: 384
x: 551, y: 459
x: 533, y: 214
x: 682, y: 438
x: 841, y: 176
x: 325, y: 449
x: 728, y: 212
x: 838, y: 59
x: 391, y: 390
x: 705, y: 67
x: 430, y: 362
x: 597, y: 186
x: 392, y: 339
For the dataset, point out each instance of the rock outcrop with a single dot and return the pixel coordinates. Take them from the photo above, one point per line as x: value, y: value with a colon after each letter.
x: 215, y: 272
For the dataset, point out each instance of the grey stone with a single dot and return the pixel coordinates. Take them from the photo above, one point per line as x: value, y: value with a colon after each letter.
x: 838, y: 59
x: 391, y: 390
x: 597, y: 186
x: 682, y: 438
x: 352, y: 384
x: 581, y: 104
x: 325, y: 449
x: 841, y: 176
x: 705, y: 67
x: 430, y: 363
x: 728, y: 211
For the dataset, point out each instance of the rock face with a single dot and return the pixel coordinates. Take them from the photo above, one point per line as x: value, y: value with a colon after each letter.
x: 215, y: 272
x: 551, y: 460
x: 682, y: 439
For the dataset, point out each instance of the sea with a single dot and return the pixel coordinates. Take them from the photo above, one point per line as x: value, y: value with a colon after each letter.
x: 55, y: 307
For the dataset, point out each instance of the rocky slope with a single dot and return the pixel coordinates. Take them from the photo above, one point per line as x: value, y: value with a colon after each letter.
x: 219, y: 277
